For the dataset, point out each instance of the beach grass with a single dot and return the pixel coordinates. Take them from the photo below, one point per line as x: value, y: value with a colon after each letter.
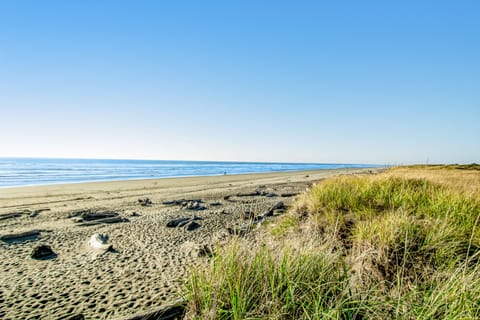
x: 404, y: 244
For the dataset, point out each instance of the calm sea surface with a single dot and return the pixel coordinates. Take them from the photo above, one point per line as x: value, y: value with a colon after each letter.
x: 33, y: 171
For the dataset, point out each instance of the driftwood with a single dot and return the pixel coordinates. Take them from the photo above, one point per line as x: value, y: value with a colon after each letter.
x: 181, y: 202
x: 227, y: 198
x: 255, y: 193
x: 92, y: 218
x: 90, y: 215
x: 187, y: 222
x: 194, y: 204
x: 178, y: 222
x: 215, y: 204
x: 244, y: 229
x: 174, y: 202
x: 105, y: 220
x: 248, y: 194
x: 292, y: 194
x: 21, y: 237
x: 277, y: 206
x: 31, y: 213
x: 10, y: 215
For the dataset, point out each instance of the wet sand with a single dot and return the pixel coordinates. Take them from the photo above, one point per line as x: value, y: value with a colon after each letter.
x: 148, y: 261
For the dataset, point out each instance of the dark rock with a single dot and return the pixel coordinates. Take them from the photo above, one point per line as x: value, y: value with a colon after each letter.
x: 43, y: 252
x: 173, y: 312
x: 176, y: 222
x: 192, y: 225
x: 135, y: 214
x: 145, y: 202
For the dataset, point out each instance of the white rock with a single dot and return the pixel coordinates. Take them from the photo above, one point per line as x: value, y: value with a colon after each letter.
x: 99, y: 241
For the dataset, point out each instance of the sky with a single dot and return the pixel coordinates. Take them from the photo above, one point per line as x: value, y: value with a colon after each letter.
x: 384, y: 82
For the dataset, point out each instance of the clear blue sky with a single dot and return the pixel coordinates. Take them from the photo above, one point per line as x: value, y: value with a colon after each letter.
x: 304, y: 81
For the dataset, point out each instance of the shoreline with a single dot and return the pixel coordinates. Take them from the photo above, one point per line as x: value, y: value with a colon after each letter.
x: 149, y: 260
x: 373, y: 167
x: 112, y: 185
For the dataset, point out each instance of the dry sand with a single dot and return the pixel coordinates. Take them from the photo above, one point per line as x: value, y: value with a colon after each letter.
x: 148, y: 262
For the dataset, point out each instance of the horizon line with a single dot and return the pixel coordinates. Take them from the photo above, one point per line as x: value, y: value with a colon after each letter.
x: 189, y: 160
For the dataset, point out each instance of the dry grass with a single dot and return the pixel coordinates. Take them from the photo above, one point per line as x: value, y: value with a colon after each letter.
x: 463, y: 180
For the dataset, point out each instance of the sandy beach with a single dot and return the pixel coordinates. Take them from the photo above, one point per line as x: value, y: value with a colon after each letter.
x: 143, y: 263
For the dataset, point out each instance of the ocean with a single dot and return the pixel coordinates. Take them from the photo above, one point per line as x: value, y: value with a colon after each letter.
x: 41, y: 171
